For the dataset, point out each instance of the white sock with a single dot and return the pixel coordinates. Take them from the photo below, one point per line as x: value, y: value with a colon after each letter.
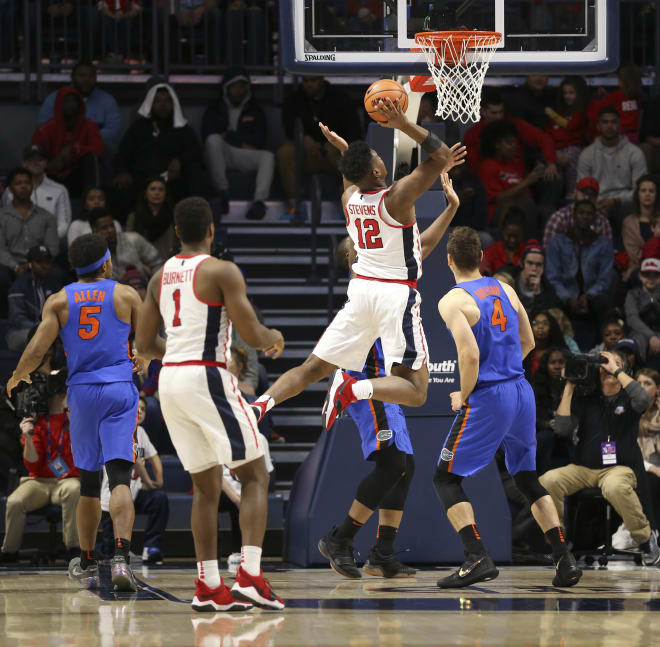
x: 251, y: 560
x: 270, y: 403
x: 363, y: 389
x: 208, y: 573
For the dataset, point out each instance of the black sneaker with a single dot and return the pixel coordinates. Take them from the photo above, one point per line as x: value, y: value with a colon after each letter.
x: 340, y: 554
x: 566, y: 571
x: 257, y: 211
x: 9, y: 558
x: 474, y: 569
x: 386, y: 566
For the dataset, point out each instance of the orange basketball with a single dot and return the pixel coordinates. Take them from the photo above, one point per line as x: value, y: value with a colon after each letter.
x: 381, y: 90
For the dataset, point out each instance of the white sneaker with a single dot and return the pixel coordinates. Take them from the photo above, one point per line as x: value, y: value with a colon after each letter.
x: 233, y: 562
x: 622, y: 539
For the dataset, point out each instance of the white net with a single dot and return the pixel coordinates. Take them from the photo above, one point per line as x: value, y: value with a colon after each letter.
x: 458, y: 62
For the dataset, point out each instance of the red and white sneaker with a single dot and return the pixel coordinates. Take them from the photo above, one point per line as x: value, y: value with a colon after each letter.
x: 256, y: 590
x: 220, y: 599
x: 339, y: 397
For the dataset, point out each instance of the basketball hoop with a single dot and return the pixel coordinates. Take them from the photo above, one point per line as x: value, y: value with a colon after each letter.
x: 458, y: 62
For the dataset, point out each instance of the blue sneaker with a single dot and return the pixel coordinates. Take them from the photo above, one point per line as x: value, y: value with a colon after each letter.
x: 152, y: 555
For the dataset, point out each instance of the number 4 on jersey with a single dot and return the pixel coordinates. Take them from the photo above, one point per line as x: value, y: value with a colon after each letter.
x: 498, y: 318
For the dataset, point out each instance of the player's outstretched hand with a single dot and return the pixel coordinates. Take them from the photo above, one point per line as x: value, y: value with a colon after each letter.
x: 15, y: 380
x: 456, y: 401
x: 393, y: 112
x: 276, y: 349
x: 457, y: 154
x: 338, y: 142
x: 140, y: 363
x: 448, y: 188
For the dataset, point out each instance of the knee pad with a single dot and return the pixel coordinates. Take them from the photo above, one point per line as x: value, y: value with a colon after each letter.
x: 390, y: 467
x: 449, y: 488
x: 119, y: 472
x: 528, y: 484
x: 396, y: 497
x: 90, y: 483
x: 391, y: 463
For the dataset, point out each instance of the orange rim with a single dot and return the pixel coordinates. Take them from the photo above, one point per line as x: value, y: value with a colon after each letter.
x: 458, y: 38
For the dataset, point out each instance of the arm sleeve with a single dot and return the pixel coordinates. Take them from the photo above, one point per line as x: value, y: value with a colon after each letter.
x: 639, y: 398
x: 633, y: 318
x: 533, y: 137
x: 51, y: 239
x: 47, y: 109
x: 605, y: 273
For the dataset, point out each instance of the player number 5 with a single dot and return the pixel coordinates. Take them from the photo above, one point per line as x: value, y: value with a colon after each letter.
x: 498, y: 318
x: 88, y: 318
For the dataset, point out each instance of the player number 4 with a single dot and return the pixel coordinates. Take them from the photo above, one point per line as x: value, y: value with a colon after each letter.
x: 498, y: 318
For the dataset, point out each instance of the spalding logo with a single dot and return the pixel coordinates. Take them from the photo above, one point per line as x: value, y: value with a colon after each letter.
x: 384, y: 434
x: 446, y: 455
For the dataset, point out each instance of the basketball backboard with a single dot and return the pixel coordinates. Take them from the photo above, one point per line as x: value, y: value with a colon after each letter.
x: 348, y: 37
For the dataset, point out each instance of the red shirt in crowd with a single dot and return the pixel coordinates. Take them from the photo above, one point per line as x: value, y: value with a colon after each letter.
x: 496, y: 257
x: 498, y: 177
x: 528, y: 136
x: 651, y: 248
x: 54, y: 426
x: 629, y: 110
x: 573, y: 134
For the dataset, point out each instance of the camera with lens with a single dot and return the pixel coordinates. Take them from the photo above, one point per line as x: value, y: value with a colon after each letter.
x: 31, y: 400
x: 583, y: 369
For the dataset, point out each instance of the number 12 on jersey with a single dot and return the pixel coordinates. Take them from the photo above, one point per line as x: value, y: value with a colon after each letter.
x: 498, y: 318
x: 370, y: 239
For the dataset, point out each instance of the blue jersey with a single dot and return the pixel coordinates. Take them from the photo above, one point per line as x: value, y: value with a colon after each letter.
x: 496, y: 332
x: 94, y: 338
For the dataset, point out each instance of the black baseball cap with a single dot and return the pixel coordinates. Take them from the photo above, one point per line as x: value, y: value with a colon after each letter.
x: 34, y: 150
x: 39, y: 253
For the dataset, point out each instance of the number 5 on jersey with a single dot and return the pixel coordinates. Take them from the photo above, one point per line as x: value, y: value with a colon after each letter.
x: 88, y: 322
x: 498, y: 318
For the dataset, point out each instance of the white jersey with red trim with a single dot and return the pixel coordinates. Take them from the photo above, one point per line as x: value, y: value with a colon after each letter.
x: 197, y: 331
x: 385, y: 248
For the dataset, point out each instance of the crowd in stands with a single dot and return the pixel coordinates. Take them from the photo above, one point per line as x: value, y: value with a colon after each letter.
x: 559, y: 183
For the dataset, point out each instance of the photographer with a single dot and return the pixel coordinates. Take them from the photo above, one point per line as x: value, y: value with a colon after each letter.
x: 603, y: 426
x: 47, y: 455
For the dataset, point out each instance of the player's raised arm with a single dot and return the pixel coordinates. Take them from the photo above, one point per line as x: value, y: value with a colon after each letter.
x: 241, y: 312
x: 433, y: 234
x: 466, y: 344
x: 524, y: 327
x: 147, y: 321
x: 407, y: 190
x: 340, y: 144
x: 43, y: 339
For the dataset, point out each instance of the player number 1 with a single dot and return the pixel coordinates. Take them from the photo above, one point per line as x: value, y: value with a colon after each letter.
x: 176, y: 295
x: 498, y: 318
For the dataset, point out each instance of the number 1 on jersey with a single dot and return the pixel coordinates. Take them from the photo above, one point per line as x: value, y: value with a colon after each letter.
x: 498, y: 318
x: 176, y: 295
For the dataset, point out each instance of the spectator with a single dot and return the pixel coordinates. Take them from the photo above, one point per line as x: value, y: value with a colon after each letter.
x: 649, y: 437
x: 614, y: 162
x: 643, y: 309
x: 566, y: 328
x: 148, y: 497
x: 22, y: 226
x: 100, y: 106
x: 153, y: 217
x: 159, y: 143
x: 313, y: 101
x: 548, y: 384
x: 120, y: 31
x: 503, y: 173
x: 651, y: 248
x: 567, y: 125
x: 72, y: 144
x: 508, y: 250
x: 93, y: 198
x: 626, y: 101
x: 137, y: 281
x: 428, y: 106
x: 636, y: 228
x: 533, y: 289
x: 610, y: 415
x: 53, y: 477
x: 630, y: 351
x: 579, y: 266
x: 561, y: 221
x: 547, y: 334
x: 529, y: 101
x: 127, y: 248
x: 528, y: 138
x: 505, y: 277
x: 28, y: 294
x: 197, y: 22
x: 612, y: 331
x: 234, y: 132
x: 650, y: 135
x: 51, y: 196
x: 473, y: 207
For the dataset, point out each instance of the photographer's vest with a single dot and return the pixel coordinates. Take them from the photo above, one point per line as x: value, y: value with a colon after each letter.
x: 94, y: 338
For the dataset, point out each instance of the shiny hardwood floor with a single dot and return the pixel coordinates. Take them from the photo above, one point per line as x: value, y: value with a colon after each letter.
x: 619, y: 605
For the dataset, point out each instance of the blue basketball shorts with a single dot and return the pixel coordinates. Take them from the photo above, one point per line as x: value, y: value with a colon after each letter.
x: 103, y: 420
x: 380, y: 424
x: 500, y: 414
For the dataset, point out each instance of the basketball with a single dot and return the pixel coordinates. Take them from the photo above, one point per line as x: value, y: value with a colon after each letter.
x: 381, y: 90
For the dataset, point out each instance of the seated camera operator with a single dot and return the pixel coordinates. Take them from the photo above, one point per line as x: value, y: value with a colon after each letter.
x: 603, y: 426
x: 47, y: 455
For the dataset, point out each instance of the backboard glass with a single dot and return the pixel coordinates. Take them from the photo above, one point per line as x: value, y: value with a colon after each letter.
x: 375, y: 36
